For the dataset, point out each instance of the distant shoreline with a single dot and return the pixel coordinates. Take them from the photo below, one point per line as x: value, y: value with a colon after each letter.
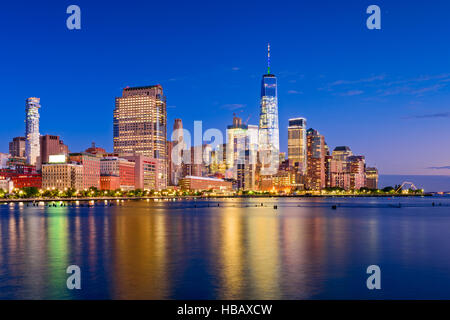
x: 211, y: 197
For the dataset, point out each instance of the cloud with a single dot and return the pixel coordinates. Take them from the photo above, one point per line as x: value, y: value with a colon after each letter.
x: 295, y: 92
x: 352, y: 93
x: 171, y: 107
x: 415, y: 86
x: 233, y: 106
x: 430, y: 116
x: 235, y: 68
x: 363, y: 80
x: 439, y: 168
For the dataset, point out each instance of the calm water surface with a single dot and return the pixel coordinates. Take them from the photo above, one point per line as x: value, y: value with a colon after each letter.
x: 238, y: 250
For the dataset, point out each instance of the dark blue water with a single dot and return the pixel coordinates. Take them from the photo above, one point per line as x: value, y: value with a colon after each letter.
x: 196, y: 250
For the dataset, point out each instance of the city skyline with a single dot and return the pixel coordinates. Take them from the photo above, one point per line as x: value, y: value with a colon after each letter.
x: 366, y: 82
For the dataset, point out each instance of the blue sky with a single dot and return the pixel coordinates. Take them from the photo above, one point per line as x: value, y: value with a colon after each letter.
x: 385, y: 93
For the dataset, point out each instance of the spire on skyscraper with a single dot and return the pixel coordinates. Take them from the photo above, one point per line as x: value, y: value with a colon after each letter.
x: 268, y: 58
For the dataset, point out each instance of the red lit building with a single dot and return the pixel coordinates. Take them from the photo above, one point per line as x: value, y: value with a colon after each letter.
x: 22, y: 179
x: 109, y: 182
x: 113, y: 169
x: 91, y: 168
x: 95, y: 150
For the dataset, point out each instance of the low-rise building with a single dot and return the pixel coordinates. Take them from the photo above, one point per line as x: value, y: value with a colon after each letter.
x: 148, y: 173
x: 62, y: 176
x: 109, y: 182
x: 194, y: 183
x: 113, y: 169
x: 91, y: 168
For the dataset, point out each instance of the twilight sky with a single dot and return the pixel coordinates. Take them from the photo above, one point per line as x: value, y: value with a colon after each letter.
x: 385, y: 93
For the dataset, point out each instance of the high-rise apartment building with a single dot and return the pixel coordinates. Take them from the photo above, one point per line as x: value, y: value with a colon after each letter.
x: 371, y: 178
x: 140, y: 124
x: 17, y: 147
x: 268, y: 139
x: 340, y: 167
x: 297, y: 143
x: 357, y: 167
x: 32, y: 149
x: 315, y: 179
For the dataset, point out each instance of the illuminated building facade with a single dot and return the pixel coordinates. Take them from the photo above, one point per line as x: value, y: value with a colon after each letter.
x: 91, y: 168
x: 62, y: 176
x: 297, y: 143
x: 242, y: 148
x: 371, y: 178
x: 140, y: 124
x: 268, y: 138
x: 21, y: 175
x: 148, y: 172
x: 51, y: 145
x: 357, y: 167
x: 117, y: 173
x: 176, y: 153
x: 340, y: 167
x: 315, y: 179
x: 194, y: 183
x: 109, y: 183
x: 32, y: 149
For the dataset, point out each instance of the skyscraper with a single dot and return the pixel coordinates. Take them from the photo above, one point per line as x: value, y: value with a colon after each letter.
x: 268, y: 140
x: 140, y: 125
x: 316, y: 160
x: 340, y: 167
x: 32, y: 149
x: 371, y: 178
x: 297, y: 143
x: 242, y: 145
x: 176, y: 154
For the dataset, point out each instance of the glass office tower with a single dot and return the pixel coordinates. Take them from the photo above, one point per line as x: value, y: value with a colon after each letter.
x: 269, y: 141
x: 140, y: 125
x: 297, y: 143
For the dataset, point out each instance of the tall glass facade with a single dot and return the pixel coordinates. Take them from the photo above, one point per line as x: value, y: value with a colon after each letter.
x: 268, y: 140
x: 297, y: 143
x: 32, y: 136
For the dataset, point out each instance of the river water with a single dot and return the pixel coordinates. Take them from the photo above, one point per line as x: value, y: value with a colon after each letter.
x: 228, y: 249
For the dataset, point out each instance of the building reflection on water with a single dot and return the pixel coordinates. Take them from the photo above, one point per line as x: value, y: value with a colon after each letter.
x: 198, y: 250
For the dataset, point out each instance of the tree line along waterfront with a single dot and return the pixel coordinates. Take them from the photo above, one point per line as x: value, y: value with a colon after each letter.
x: 33, y: 193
